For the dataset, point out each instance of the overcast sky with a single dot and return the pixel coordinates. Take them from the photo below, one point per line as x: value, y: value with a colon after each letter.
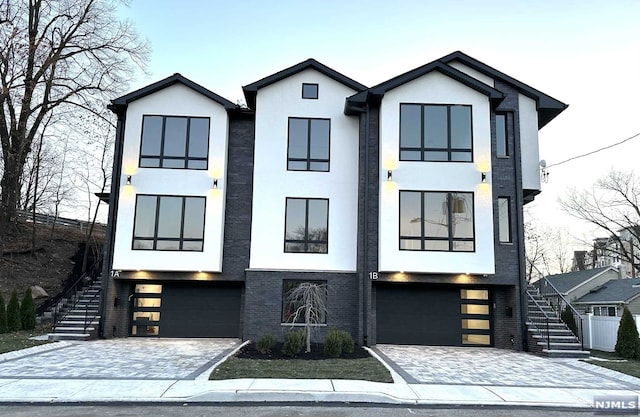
x: 583, y: 53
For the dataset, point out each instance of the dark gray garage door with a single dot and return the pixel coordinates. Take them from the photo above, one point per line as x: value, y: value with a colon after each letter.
x: 418, y: 315
x: 200, y: 310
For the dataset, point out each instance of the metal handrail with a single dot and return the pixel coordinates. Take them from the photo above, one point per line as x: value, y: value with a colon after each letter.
x: 87, y: 320
x: 561, y: 304
x: 546, y: 316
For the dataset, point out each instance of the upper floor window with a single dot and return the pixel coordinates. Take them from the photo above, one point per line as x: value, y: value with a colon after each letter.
x: 308, y: 148
x: 435, y: 132
x: 437, y: 221
x: 504, y: 219
x: 502, y: 144
x: 169, y: 223
x: 174, y: 142
x: 309, y: 91
x: 306, y: 225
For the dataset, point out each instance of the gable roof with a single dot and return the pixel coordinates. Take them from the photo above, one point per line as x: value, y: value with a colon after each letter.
x: 251, y: 90
x: 571, y: 280
x: 356, y: 102
x: 613, y: 291
x: 548, y: 107
x: 120, y: 104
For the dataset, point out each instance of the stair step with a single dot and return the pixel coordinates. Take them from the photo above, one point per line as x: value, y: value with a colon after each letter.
x: 554, y: 353
x: 81, y: 317
x: 68, y: 336
x: 71, y: 323
x: 63, y: 329
x: 562, y: 345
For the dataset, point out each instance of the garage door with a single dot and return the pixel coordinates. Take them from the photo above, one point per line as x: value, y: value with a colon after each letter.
x: 190, y: 310
x: 432, y: 315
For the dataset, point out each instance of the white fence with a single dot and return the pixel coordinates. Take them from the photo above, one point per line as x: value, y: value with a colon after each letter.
x: 601, y: 332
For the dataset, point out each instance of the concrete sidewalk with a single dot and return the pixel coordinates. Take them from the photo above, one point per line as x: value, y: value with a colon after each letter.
x: 188, y: 387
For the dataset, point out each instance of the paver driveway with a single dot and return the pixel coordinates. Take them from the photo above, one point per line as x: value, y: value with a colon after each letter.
x: 131, y: 358
x: 497, y: 367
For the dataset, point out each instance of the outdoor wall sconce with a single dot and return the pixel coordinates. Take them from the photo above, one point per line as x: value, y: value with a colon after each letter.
x: 215, y: 183
x: 483, y: 177
x: 389, y: 175
x: 508, y: 311
x: 128, y: 179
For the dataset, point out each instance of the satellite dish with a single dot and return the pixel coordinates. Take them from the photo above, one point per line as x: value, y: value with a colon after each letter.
x: 543, y: 164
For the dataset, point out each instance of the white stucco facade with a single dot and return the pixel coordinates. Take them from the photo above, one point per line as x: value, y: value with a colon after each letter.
x: 529, y: 147
x: 273, y: 183
x: 435, y: 88
x: 175, y: 100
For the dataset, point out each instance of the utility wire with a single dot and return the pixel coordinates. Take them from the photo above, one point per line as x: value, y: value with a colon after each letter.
x: 596, y: 151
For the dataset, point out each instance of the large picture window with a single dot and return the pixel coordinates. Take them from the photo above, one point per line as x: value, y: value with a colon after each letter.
x: 308, y: 144
x: 170, y: 223
x: 437, y: 221
x: 306, y: 225
x: 174, y: 142
x: 435, y: 132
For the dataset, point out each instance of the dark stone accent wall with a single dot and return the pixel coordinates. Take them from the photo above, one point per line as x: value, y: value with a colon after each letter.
x: 368, y: 213
x: 506, y: 328
x: 263, y: 302
x: 116, y: 323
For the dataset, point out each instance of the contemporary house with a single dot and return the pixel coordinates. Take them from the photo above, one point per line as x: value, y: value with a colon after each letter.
x: 405, y: 199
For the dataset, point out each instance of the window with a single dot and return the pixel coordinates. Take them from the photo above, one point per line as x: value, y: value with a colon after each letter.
x: 502, y: 148
x: 174, y: 142
x: 609, y: 311
x: 435, y: 132
x: 298, y: 294
x: 306, y: 225
x: 309, y: 91
x: 504, y: 219
x: 169, y: 223
x: 436, y: 221
x: 308, y: 144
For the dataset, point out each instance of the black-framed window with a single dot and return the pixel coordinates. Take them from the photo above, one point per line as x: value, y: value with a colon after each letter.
x: 306, y: 225
x: 309, y: 91
x: 502, y: 135
x: 293, y: 310
x: 436, y: 132
x: 174, y: 142
x: 308, y: 144
x: 171, y: 223
x: 504, y: 220
x: 437, y: 221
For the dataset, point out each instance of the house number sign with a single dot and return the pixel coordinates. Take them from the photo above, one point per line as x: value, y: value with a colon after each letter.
x: 373, y: 275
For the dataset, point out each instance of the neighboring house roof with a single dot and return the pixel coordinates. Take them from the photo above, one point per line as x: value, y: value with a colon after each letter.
x: 251, y: 90
x: 614, y: 291
x: 547, y: 106
x: 120, y: 104
x: 566, y: 283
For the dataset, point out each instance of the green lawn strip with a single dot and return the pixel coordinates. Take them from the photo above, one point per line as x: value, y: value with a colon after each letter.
x: 629, y: 366
x: 368, y: 369
x: 20, y: 340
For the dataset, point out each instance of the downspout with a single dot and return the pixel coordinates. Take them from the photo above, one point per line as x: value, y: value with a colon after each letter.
x: 107, y: 257
x: 365, y: 235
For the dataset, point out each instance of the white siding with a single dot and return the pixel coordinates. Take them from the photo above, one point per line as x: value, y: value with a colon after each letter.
x: 273, y: 183
x: 530, y: 154
x: 435, y: 88
x: 176, y: 100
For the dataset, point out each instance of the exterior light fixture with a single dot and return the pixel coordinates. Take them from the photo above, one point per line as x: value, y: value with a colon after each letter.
x: 128, y: 179
x: 215, y: 183
x: 483, y: 177
x: 389, y: 175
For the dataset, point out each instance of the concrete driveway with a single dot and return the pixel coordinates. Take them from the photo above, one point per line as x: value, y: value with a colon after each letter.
x: 132, y: 358
x: 496, y: 367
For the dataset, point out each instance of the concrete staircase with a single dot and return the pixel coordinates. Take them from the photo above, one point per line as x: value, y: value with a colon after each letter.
x: 543, y: 321
x: 81, y: 318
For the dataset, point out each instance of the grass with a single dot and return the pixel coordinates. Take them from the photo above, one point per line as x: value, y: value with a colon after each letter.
x: 20, y: 340
x: 627, y: 366
x: 368, y: 369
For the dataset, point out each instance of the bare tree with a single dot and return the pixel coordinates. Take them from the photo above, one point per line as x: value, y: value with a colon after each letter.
x: 613, y: 205
x: 546, y: 249
x: 306, y: 303
x: 55, y: 53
